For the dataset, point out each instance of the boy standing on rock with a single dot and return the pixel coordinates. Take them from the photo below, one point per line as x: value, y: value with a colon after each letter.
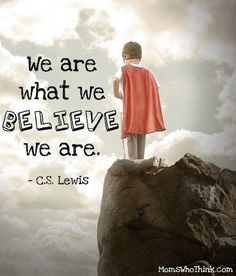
x: 142, y: 112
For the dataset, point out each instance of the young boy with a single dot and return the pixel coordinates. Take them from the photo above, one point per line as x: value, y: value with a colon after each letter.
x: 142, y: 112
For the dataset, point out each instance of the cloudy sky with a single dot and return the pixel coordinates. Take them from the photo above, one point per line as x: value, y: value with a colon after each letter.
x: 189, y: 45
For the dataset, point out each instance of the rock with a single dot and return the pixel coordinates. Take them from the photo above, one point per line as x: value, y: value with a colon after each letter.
x: 154, y: 215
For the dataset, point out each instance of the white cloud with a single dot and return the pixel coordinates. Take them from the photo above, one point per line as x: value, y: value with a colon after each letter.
x: 13, y: 72
x: 148, y: 25
x: 46, y: 22
x: 174, y: 31
x: 227, y: 109
x: 39, y: 22
x: 169, y: 30
x: 57, y: 248
x: 17, y: 222
x: 218, y: 148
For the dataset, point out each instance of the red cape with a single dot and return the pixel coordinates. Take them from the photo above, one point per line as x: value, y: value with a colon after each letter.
x: 142, y: 112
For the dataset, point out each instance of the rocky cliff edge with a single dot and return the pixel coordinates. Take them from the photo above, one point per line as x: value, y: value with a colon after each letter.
x: 153, y: 215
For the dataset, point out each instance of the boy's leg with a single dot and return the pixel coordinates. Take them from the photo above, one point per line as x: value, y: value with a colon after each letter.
x: 125, y: 152
x: 132, y: 146
x: 141, y: 139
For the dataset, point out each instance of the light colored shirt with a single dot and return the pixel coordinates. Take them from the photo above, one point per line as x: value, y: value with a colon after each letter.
x: 118, y: 74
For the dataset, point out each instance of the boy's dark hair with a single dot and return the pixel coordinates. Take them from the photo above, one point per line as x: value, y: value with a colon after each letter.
x: 133, y: 49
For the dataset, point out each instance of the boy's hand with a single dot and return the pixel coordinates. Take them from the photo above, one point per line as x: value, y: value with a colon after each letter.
x: 116, y: 84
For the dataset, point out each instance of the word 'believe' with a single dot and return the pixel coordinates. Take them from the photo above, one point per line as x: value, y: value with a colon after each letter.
x: 92, y: 121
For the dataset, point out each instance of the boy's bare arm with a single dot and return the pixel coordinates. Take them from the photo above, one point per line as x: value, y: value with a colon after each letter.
x: 116, y: 85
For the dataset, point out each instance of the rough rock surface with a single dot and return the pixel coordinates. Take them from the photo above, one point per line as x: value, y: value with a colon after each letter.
x: 166, y: 216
